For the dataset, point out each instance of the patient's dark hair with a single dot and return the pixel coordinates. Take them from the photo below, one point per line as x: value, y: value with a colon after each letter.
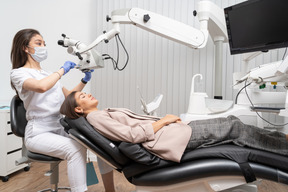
x: 68, y: 107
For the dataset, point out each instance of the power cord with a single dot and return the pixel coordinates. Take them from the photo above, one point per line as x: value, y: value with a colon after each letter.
x: 277, y: 125
x: 236, y: 98
x: 284, y: 53
x: 116, y: 63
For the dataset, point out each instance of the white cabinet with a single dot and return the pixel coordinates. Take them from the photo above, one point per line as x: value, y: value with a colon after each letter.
x: 10, y: 147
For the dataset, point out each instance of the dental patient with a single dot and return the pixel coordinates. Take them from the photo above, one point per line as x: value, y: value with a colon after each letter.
x: 169, y: 137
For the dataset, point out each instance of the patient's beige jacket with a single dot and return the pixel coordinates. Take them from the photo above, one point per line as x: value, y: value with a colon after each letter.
x: 123, y: 125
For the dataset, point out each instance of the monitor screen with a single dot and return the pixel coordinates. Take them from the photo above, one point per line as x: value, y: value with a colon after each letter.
x: 257, y: 25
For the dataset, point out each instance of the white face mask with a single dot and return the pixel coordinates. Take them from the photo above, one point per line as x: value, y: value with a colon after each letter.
x: 40, y: 54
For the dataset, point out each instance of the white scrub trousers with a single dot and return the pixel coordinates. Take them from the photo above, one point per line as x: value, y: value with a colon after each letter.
x: 47, y: 136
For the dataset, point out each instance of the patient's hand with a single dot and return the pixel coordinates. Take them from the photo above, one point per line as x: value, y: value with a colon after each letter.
x: 168, y: 119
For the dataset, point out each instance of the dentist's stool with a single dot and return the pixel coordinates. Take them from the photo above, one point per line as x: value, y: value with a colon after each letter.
x: 18, y: 124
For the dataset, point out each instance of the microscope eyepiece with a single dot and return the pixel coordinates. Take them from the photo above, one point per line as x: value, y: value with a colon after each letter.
x: 61, y: 42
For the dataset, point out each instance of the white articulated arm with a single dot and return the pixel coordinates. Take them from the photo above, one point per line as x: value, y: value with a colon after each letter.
x: 119, y: 16
x: 212, y: 18
x: 155, y: 23
x: 209, y: 14
x: 283, y: 68
x: 104, y: 37
x: 168, y: 28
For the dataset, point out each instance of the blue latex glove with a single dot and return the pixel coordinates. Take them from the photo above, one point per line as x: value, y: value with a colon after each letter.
x: 88, y: 75
x: 67, y: 66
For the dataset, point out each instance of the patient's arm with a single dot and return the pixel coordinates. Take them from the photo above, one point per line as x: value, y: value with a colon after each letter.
x: 117, y: 131
x: 168, y: 119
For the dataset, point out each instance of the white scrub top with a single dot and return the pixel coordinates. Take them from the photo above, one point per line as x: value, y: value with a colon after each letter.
x: 37, y: 105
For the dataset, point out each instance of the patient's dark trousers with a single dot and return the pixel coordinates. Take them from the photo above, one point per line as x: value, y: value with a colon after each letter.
x: 212, y: 132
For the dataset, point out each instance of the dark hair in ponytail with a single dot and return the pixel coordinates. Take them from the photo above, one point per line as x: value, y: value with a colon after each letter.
x: 18, y: 56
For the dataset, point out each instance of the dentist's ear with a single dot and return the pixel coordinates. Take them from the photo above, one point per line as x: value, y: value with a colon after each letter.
x: 25, y: 49
x: 79, y: 110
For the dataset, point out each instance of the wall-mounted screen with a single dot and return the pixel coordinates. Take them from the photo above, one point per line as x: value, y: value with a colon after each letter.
x: 257, y: 25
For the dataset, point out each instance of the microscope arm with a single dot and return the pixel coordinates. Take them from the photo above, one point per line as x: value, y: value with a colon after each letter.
x: 210, y: 17
x: 155, y: 23
x: 106, y: 37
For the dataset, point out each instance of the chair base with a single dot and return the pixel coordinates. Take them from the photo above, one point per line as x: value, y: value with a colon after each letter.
x: 67, y: 189
x: 53, y: 173
x: 208, y: 184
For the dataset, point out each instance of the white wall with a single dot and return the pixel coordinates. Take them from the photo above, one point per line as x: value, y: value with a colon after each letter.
x: 51, y: 18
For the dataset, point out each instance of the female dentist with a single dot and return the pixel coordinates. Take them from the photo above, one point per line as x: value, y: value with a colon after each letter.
x: 42, y: 95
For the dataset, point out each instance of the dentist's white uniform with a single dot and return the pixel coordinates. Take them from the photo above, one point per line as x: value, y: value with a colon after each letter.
x: 44, y: 133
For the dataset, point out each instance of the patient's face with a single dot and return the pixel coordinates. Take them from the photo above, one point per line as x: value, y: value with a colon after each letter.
x: 86, y: 101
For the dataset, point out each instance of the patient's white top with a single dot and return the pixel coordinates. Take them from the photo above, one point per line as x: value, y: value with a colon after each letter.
x: 37, y: 105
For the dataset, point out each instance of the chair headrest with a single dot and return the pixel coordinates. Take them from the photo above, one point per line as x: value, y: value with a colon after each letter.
x: 17, y: 116
x: 83, y: 126
x: 65, y: 125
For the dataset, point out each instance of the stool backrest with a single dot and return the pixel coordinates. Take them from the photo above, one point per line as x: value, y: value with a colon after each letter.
x: 18, y: 116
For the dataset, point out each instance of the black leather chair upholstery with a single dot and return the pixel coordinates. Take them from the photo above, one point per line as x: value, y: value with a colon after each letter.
x: 18, y: 124
x: 224, y: 161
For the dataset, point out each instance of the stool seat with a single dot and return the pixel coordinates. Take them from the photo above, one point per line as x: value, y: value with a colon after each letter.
x: 41, y: 157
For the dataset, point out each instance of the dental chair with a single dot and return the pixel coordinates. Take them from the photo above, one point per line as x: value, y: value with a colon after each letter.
x: 18, y: 124
x: 221, y: 168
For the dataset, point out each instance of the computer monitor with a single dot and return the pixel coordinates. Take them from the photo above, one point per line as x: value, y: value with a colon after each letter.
x: 257, y: 25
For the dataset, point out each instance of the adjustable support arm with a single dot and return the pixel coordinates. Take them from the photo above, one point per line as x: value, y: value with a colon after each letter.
x: 106, y: 37
x: 209, y: 15
x: 155, y: 23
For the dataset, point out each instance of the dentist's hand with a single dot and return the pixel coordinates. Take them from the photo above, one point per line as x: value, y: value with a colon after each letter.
x: 88, y: 75
x: 67, y: 66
